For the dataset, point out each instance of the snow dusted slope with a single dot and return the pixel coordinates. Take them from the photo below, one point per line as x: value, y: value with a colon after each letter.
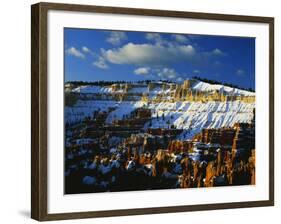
x: 191, y: 116
x: 124, y: 108
x: 85, y: 108
x: 204, y: 86
x: 194, y: 116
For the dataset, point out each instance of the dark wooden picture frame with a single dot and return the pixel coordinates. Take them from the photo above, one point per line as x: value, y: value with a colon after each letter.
x: 39, y: 202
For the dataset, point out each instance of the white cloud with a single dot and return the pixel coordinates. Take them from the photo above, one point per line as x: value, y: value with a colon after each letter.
x: 217, y: 52
x: 167, y: 73
x: 86, y: 50
x: 157, y: 53
x: 116, y: 38
x: 180, y: 38
x: 100, y: 63
x: 152, y: 36
x: 240, y: 72
x: 142, y: 71
x: 74, y: 52
x: 148, y: 54
x: 196, y: 71
x: 157, y: 39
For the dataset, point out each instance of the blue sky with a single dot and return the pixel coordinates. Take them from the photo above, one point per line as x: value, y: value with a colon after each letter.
x: 92, y: 55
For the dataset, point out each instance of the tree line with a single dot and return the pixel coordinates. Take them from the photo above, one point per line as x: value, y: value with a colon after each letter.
x: 105, y: 83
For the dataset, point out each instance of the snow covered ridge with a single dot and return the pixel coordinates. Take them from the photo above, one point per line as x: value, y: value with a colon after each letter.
x: 161, y: 88
x: 205, y: 87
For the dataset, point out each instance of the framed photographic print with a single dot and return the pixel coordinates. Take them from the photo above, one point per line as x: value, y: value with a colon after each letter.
x: 138, y: 111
